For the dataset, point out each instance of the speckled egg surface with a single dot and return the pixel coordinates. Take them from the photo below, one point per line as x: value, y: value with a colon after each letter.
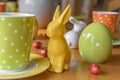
x: 95, y: 43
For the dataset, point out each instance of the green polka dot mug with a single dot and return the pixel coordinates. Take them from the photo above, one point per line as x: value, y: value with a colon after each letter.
x: 16, y: 33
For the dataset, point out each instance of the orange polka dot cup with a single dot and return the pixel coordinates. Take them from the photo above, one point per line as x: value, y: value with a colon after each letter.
x: 16, y: 33
x: 107, y: 18
x: 2, y: 7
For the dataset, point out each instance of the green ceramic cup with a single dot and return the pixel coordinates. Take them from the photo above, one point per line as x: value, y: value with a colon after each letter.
x: 16, y: 34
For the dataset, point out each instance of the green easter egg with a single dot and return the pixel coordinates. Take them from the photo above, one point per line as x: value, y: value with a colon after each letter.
x: 95, y: 43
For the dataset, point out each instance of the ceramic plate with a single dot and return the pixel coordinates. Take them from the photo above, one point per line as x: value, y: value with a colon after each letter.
x: 116, y: 41
x: 37, y: 65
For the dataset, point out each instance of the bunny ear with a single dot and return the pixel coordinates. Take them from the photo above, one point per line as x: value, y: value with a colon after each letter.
x: 65, y: 15
x: 57, y: 13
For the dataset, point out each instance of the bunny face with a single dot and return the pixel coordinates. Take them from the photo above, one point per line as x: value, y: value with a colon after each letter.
x: 55, y: 30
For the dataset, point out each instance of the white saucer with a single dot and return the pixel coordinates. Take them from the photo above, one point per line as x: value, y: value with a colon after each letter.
x: 37, y: 65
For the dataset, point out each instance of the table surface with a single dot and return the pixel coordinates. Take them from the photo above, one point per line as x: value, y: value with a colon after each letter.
x: 78, y: 69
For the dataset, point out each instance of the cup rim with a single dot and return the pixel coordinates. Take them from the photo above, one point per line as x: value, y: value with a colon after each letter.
x: 15, y: 14
x: 105, y: 12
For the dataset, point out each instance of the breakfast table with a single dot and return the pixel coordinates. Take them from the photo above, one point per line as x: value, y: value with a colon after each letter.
x: 78, y: 69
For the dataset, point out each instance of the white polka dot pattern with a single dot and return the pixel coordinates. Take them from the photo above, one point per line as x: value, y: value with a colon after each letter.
x: 12, y: 43
x: 8, y: 67
x: 0, y: 32
x: 10, y: 56
x: 23, y: 55
x: 10, y: 24
x: 15, y: 40
x: 24, y: 19
x: 15, y: 31
x: 97, y: 44
x: 5, y: 38
x: 90, y: 36
x: 25, y: 44
x: 21, y: 37
x: 106, y: 18
x: 17, y: 50
x: 2, y: 50
x: 4, y: 62
x: 2, y: 19
x: 20, y: 65
x: 16, y: 61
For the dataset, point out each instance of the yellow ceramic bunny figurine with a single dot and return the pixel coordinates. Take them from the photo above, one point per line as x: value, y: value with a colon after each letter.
x: 58, y: 51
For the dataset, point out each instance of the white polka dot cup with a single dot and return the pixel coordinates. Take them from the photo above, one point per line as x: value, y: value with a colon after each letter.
x: 16, y: 33
x: 107, y: 18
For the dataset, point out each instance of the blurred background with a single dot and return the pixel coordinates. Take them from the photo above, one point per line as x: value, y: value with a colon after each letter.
x: 81, y: 9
